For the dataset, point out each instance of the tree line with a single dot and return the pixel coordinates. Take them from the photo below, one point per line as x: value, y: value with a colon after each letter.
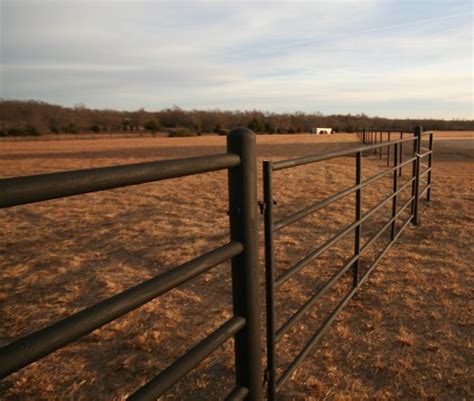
x: 37, y: 118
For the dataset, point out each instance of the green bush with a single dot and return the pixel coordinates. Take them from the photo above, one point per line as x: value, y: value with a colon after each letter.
x: 14, y: 132
x: 54, y: 129
x: 181, y: 133
x: 269, y: 128
x: 95, y: 128
x: 152, y: 126
x: 30, y: 131
x: 217, y: 129
x: 27, y: 130
x: 256, y: 125
x: 70, y: 129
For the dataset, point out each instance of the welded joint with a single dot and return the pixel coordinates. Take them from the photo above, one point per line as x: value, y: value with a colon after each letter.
x: 262, y: 205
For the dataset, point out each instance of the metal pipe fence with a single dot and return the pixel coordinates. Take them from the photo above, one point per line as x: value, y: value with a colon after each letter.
x: 241, y: 250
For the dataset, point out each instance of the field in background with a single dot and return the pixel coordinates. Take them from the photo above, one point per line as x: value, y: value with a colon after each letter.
x: 144, y: 135
x: 407, y: 335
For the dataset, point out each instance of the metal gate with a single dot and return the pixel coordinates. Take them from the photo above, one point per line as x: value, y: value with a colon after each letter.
x: 352, y: 265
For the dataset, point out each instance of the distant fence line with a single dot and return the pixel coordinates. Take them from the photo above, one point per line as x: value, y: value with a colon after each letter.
x: 371, y: 137
x: 241, y: 250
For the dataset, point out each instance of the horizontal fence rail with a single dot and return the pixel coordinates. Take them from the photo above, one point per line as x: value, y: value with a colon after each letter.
x: 22, y: 190
x: 244, y: 326
x: 373, y: 144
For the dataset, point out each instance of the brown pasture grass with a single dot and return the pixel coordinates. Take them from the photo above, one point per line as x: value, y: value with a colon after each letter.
x: 454, y: 134
x: 406, y: 336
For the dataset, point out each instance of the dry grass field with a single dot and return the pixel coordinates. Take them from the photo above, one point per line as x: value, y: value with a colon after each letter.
x: 406, y: 336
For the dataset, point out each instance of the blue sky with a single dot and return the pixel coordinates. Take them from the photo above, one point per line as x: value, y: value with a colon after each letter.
x: 388, y: 58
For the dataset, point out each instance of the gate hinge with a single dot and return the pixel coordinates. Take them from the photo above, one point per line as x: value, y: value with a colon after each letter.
x: 262, y: 205
x: 233, y: 212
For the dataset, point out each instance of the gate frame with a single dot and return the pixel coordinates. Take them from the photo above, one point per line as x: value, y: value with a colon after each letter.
x: 270, y: 227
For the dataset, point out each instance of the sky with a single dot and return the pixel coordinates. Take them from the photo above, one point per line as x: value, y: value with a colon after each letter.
x: 391, y: 58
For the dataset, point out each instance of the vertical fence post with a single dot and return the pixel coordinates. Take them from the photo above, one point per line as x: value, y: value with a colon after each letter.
x: 269, y: 278
x: 380, y: 149
x: 413, y: 176
x: 416, y: 175
x: 358, y: 213
x: 395, y: 187
x: 245, y: 277
x: 430, y: 164
x: 388, y: 150
x: 401, y: 153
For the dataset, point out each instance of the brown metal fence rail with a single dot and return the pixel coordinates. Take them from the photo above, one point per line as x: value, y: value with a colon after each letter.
x: 244, y: 326
x: 375, y: 144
